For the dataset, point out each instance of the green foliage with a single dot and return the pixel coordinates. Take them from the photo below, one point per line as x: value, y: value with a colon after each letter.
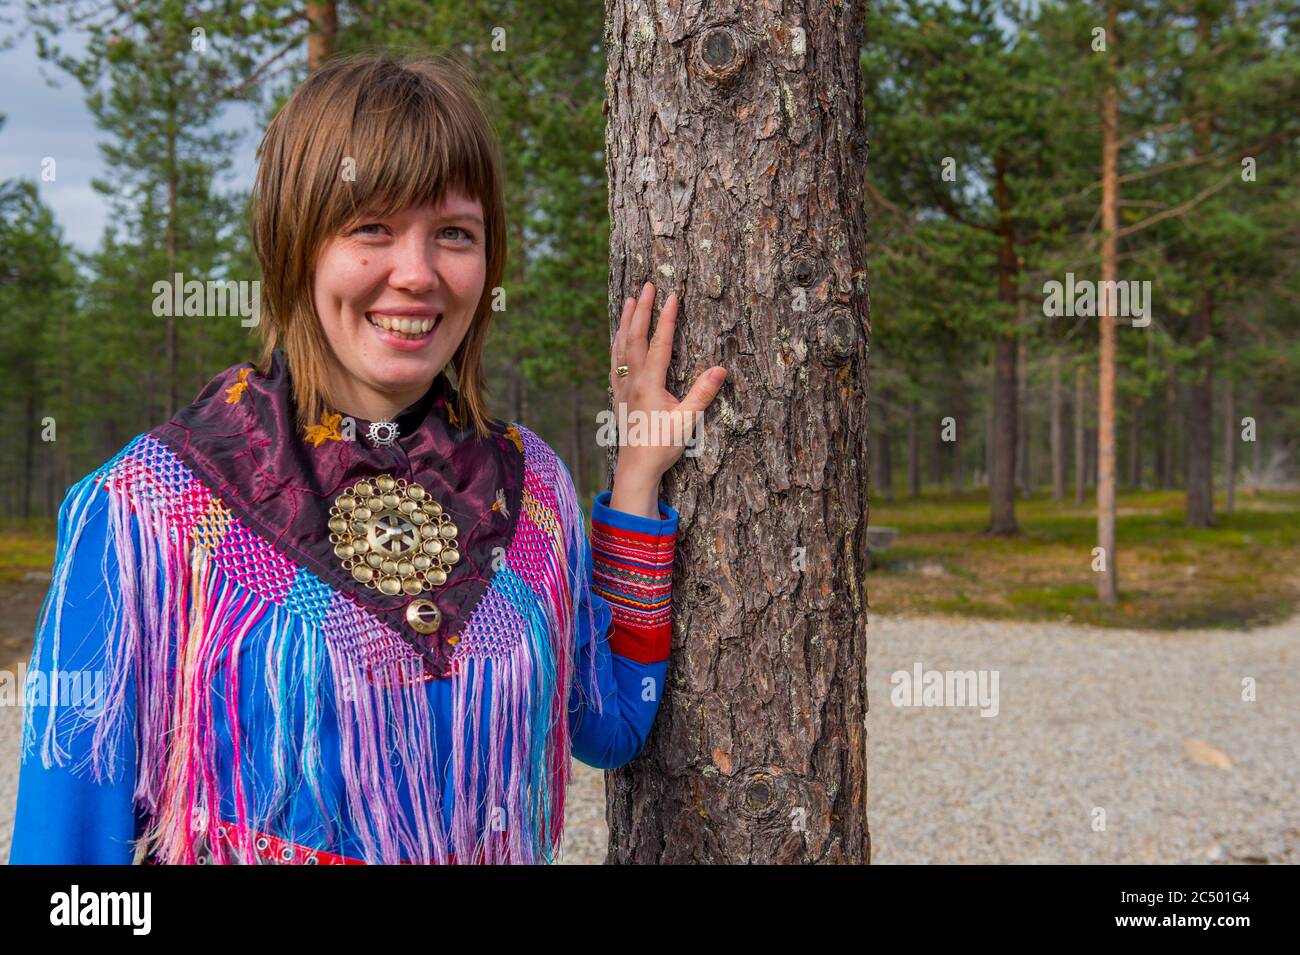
x: 988, y: 86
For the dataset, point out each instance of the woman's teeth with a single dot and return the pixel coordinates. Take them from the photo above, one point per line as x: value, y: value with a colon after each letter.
x: 404, y: 327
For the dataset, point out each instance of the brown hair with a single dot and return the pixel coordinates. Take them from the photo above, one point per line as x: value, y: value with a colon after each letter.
x: 416, y: 127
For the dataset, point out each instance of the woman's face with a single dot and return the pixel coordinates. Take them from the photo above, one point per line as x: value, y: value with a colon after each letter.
x: 420, y: 272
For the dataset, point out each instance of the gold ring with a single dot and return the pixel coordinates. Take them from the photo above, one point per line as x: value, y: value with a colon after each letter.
x: 621, y: 371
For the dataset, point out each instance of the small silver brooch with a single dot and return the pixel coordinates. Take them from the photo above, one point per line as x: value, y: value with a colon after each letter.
x: 382, y: 434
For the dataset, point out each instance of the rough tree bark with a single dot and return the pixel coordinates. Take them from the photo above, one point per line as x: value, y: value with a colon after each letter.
x: 736, y: 151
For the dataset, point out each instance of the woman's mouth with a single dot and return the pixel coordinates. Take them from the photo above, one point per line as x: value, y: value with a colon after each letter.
x: 405, y: 328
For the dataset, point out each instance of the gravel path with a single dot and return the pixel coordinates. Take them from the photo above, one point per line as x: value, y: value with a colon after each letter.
x: 11, y: 731
x: 1129, y: 722
x: 1148, y: 727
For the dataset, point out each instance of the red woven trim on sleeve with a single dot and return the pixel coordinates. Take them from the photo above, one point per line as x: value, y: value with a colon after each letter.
x: 639, y: 645
x: 634, y: 573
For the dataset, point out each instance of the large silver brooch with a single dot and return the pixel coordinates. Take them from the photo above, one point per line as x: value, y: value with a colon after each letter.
x: 393, y: 536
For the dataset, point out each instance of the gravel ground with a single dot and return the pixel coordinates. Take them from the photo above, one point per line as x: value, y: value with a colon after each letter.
x: 1149, y: 728
x: 11, y: 731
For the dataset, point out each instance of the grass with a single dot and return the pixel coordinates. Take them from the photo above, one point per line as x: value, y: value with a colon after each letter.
x: 1240, y: 573
x: 26, y: 547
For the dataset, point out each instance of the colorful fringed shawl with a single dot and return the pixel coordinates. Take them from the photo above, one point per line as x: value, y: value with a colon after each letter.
x: 219, y: 524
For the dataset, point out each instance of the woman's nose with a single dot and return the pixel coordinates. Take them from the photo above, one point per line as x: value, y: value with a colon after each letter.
x: 416, y: 268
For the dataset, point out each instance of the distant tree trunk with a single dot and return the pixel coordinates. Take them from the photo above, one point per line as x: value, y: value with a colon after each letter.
x: 735, y: 153
x: 1058, y: 431
x: 1002, y: 480
x: 938, y: 451
x: 1135, y: 447
x: 914, y: 449
x: 577, y: 430
x: 29, y: 451
x: 1229, y: 445
x: 521, y: 397
x: 1200, y: 411
x: 1022, y: 401
x: 885, y: 460
x: 1092, y: 457
x: 1158, y: 466
x: 1080, y: 434
x: 322, y: 35
x: 1199, y: 428
x: 171, y: 356
x: 199, y: 364
x: 65, y: 402
x: 955, y: 445
x: 1107, y: 577
x: 1170, y: 429
x: 1256, y: 454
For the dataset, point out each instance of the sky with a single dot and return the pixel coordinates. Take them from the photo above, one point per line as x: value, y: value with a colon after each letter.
x: 43, y: 120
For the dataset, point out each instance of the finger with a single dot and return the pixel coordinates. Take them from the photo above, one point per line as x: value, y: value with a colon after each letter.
x: 660, y: 352
x: 634, y: 343
x: 620, y: 336
x: 704, y: 390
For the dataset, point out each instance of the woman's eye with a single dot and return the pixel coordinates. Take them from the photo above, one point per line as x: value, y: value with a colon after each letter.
x: 368, y: 225
x: 467, y: 236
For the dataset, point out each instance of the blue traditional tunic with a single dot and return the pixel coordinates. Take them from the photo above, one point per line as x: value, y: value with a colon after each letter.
x: 207, y: 687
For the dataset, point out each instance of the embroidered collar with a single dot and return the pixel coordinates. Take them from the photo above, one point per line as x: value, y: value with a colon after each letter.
x: 299, y: 491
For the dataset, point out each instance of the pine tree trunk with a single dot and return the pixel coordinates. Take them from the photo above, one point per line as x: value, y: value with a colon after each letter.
x: 1002, y: 479
x: 29, y: 451
x: 1092, y: 457
x: 884, y: 473
x: 956, y: 477
x: 521, y: 397
x: 938, y: 451
x: 1107, y: 577
x: 914, y: 450
x: 1058, y: 432
x: 735, y: 153
x: 322, y: 37
x: 1256, y: 456
x: 1080, y: 434
x: 1170, y: 431
x: 1022, y: 400
x: 576, y: 429
x: 1135, y: 447
x: 172, y: 357
x: 1200, y: 409
x: 1200, y: 422
x: 1229, y: 446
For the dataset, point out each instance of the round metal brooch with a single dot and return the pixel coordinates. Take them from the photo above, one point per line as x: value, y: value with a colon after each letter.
x: 392, y: 536
x: 382, y: 434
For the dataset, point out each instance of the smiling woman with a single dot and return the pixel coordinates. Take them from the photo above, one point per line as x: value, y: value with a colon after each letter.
x: 371, y: 638
x: 405, y: 221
